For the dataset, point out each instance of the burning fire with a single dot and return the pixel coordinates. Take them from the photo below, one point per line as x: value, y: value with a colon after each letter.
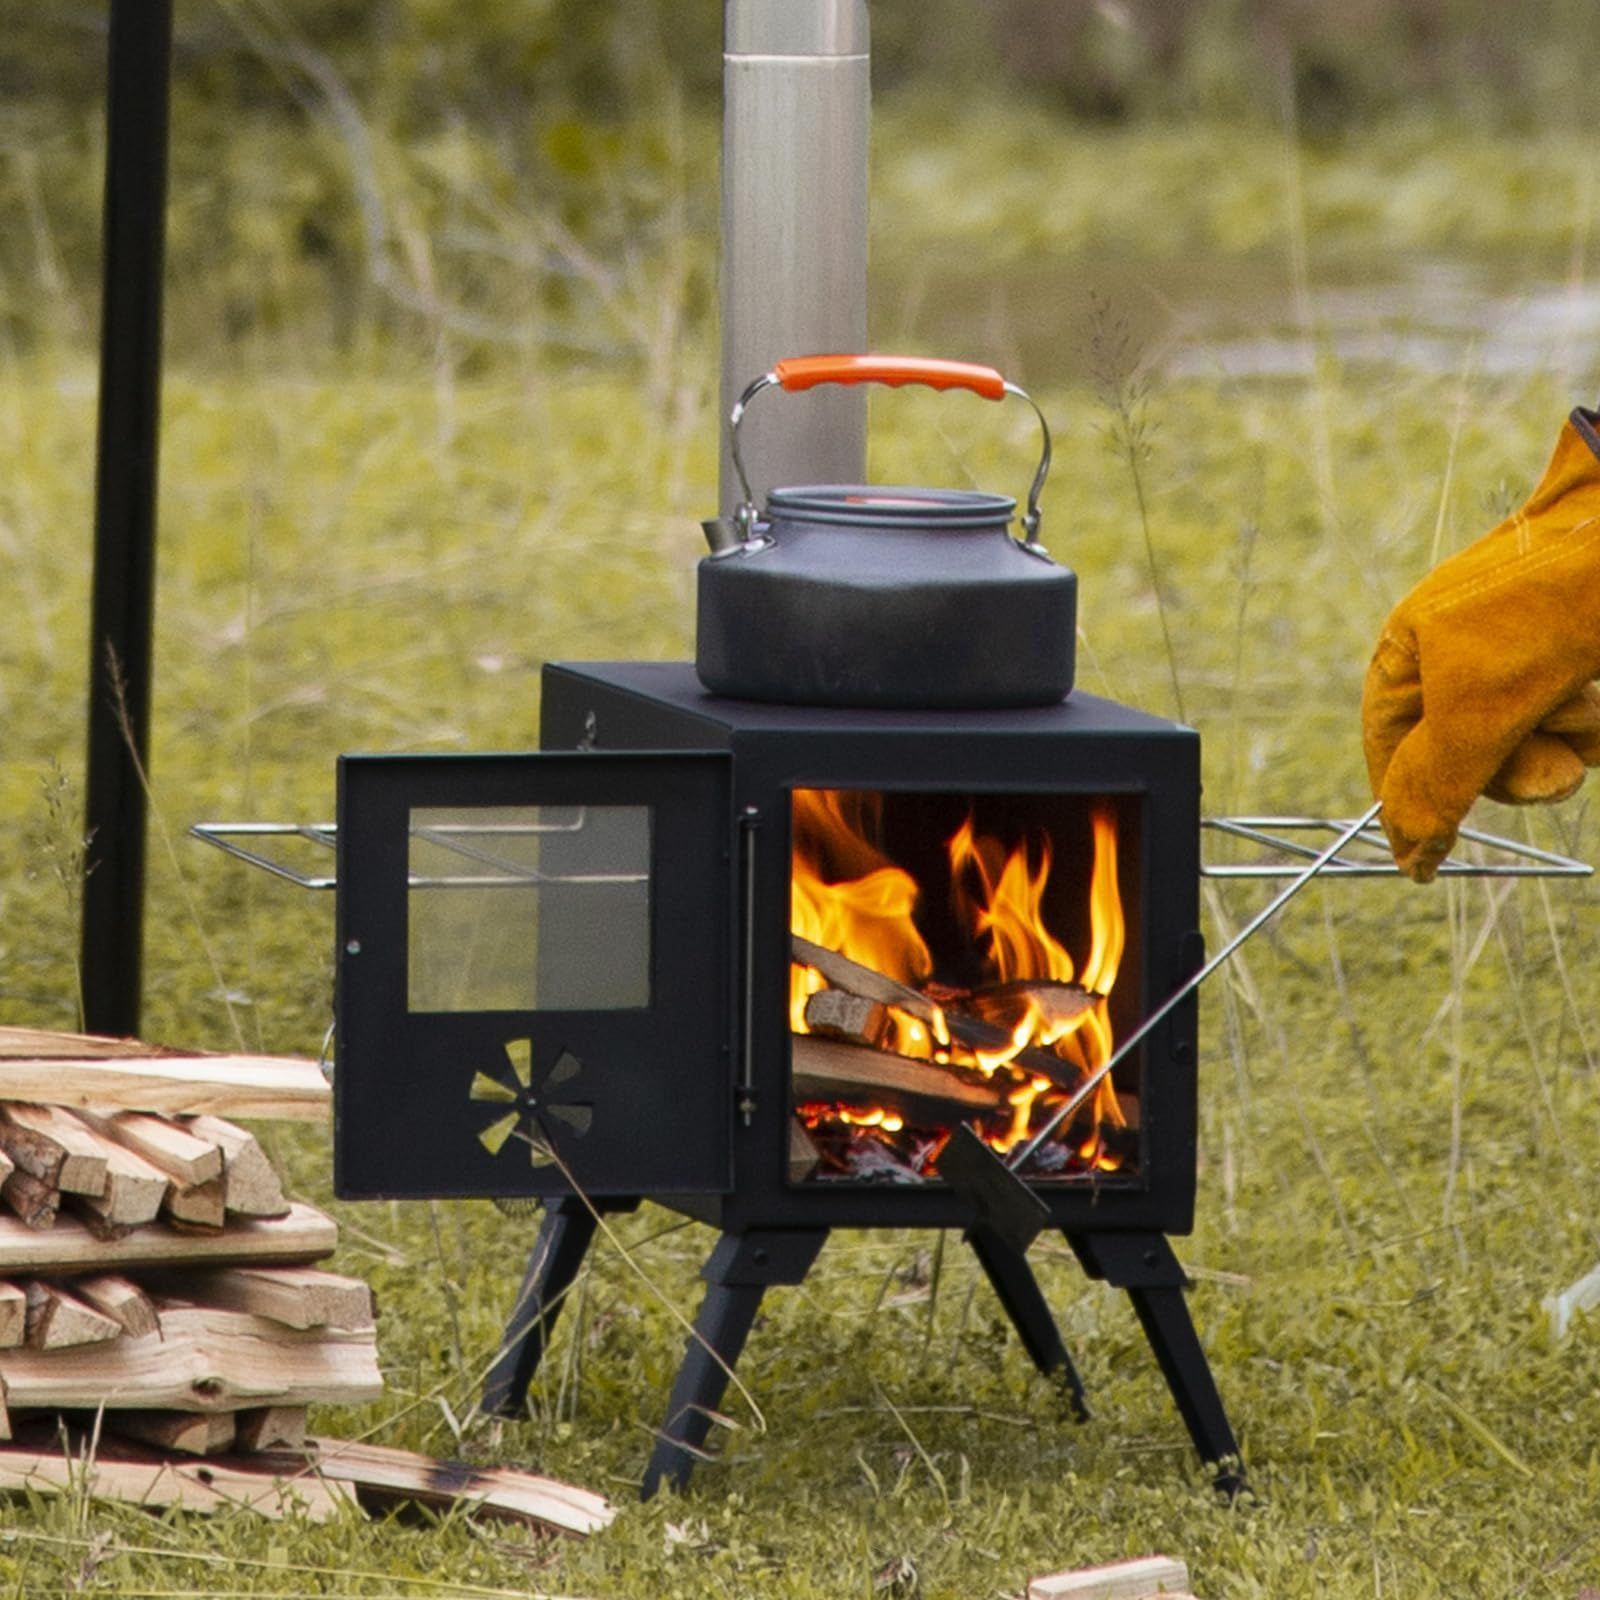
x: 848, y: 896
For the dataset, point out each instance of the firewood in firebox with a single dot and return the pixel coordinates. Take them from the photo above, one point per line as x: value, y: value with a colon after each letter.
x: 1007, y: 1004
x: 973, y: 1031
x: 804, y: 1156
x: 837, y: 1014
x: 827, y: 1070
x: 854, y: 978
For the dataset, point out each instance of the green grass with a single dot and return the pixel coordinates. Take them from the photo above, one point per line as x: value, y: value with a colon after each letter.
x: 1399, y: 1129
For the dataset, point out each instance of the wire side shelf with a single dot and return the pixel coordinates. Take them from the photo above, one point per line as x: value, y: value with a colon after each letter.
x: 1282, y: 846
x: 482, y: 844
x: 1281, y: 852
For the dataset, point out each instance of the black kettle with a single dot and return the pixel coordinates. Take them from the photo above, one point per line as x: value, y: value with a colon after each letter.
x: 852, y: 595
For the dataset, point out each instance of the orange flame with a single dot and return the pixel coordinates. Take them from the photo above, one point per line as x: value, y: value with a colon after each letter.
x: 849, y: 896
x: 844, y: 893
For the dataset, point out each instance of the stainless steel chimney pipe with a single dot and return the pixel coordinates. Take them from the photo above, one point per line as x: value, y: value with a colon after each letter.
x: 796, y: 114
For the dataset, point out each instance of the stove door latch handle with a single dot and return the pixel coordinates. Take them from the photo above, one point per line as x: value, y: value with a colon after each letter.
x: 796, y: 374
x: 749, y: 821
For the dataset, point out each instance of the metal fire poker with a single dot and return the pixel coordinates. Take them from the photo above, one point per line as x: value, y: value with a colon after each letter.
x: 1004, y: 1203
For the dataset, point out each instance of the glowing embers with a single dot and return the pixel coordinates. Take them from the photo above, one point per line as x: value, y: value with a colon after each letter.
x: 955, y: 959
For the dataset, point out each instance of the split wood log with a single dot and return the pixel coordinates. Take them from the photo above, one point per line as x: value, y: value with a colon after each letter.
x: 35, y: 1202
x: 200, y: 1359
x: 379, y: 1474
x: 1007, y: 1004
x: 303, y: 1236
x: 231, y: 1086
x: 59, y: 1320
x: 53, y: 1146
x: 134, y: 1189
x: 123, y: 1473
x: 250, y: 1185
x: 826, y: 1070
x: 196, y: 1205
x: 972, y: 1031
x: 804, y: 1157
x: 1139, y: 1579
x: 838, y: 1014
x: 854, y: 978
x: 13, y: 1315
x: 120, y: 1299
x: 184, y: 1156
x: 41, y: 1044
x: 7, y: 1166
x: 297, y: 1297
x: 270, y: 1428
x: 182, y: 1431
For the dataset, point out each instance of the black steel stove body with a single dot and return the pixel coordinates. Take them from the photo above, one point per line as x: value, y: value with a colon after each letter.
x: 623, y: 1031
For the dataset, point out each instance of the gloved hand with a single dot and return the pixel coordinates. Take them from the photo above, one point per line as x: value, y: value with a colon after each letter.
x: 1481, y: 682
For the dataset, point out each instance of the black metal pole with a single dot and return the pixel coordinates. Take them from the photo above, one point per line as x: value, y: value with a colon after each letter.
x: 123, y: 604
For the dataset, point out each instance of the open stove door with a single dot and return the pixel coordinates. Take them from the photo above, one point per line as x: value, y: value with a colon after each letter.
x: 534, y: 986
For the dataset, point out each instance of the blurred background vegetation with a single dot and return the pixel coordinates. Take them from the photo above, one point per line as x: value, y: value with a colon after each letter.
x: 340, y: 167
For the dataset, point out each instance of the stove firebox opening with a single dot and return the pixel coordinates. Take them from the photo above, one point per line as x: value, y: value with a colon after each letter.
x: 961, y: 958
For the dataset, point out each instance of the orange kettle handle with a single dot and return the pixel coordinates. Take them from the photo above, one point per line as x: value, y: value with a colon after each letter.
x: 806, y: 372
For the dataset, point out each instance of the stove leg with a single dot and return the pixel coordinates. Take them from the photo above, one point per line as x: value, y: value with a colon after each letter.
x: 1008, y: 1271
x: 1144, y: 1265
x: 739, y: 1271
x: 553, y: 1263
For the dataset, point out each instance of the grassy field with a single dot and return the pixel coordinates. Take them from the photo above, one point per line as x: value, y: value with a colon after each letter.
x: 376, y: 526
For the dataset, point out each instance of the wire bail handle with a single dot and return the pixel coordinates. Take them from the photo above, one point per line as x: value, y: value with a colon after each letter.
x: 798, y: 373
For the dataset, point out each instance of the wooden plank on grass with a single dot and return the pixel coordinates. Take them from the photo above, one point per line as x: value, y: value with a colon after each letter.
x: 231, y: 1086
x: 250, y: 1185
x: 298, y: 1297
x: 304, y: 1235
x: 199, y: 1360
x: 377, y: 1473
x: 1139, y: 1579
x: 144, y: 1479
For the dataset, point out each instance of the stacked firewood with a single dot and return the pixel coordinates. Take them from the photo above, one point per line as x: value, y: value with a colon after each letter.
x: 152, y: 1270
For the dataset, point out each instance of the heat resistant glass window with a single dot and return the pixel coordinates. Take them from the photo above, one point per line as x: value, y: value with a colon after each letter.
x: 529, y: 908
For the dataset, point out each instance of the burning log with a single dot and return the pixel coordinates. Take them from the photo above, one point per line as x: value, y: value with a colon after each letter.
x: 838, y: 1014
x: 853, y: 978
x: 1054, y: 1004
x: 974, y: 1031
x: 827, y: 1070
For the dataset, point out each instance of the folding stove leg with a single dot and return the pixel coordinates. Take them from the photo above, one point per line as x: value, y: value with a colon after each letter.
x: 1144, y: 1265
x: 738, y: 1272
x: 553, y: 1263
x: 1008, y: 1270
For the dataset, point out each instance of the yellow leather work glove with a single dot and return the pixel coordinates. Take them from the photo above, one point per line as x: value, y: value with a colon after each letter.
x: 1481, y: 682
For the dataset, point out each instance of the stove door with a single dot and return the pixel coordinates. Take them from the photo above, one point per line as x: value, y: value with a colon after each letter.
x: 534, y: 986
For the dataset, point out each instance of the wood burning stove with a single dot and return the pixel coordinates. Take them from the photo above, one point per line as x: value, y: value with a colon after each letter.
x: 640, y: 962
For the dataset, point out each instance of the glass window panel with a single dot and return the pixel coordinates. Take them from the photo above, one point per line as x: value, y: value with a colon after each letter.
x: 529, y: 908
